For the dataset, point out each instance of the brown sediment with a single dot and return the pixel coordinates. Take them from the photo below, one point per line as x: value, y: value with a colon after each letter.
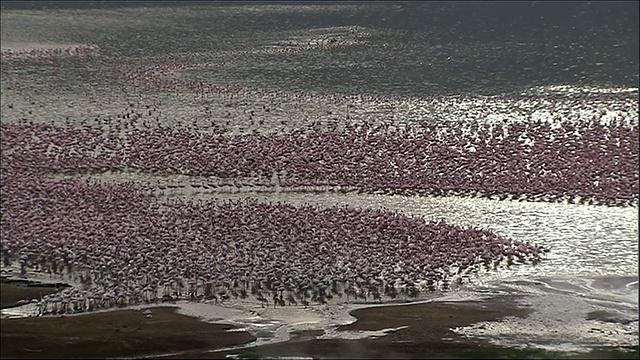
x: 427, y: 334
x: 113, y: 334
x: 304, y: 335
x: 352, y: 349
x: 12, y: 293
x: 432, y: 320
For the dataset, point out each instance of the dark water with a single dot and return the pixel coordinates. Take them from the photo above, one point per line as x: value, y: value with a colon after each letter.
x: 415, y: 48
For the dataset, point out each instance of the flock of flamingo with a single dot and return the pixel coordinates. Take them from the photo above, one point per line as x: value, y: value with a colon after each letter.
x: 120, y: 244
x: 37, y: 55
x: 125, y: 247
x: 588, y: 162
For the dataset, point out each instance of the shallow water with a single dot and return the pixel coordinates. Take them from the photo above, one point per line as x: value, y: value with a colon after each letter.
x: 430, y: 48
x: 568, y: 314
x: 585, y: 240
x: 592, y: 266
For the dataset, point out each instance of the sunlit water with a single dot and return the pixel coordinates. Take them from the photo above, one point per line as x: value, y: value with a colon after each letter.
x: 585, y: 240
x: 592, y: 266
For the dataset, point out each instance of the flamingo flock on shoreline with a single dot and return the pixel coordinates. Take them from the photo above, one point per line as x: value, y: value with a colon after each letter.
x: 127, y: 248
x: 123, y: 246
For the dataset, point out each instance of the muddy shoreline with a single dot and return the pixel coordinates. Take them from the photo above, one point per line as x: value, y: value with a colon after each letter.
x: 17, y: 292
x: 410, y: 330
x: 165, y: 333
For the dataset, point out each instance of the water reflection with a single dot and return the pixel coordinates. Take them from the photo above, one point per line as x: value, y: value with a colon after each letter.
x: 585, y: 241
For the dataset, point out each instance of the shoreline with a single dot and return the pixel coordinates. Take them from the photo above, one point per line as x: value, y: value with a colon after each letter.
x: 464, y: 320
x: 268, y: 327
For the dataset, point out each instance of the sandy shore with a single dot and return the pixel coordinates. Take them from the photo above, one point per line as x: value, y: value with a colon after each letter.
x: 13, y: 293
x: 403, y: 331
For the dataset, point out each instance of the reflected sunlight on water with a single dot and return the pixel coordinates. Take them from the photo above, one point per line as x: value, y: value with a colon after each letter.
x: 584, y: 240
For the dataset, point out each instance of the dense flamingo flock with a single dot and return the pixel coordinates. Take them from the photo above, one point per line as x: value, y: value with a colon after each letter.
x: 38, y: 54
x: 586, y: 162
x: 125, y: 247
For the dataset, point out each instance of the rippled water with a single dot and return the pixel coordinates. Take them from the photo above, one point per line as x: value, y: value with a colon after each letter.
x: 412, y: 48
x: 585, y: 240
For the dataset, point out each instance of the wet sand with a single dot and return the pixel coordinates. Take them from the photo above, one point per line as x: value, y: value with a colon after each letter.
x: 14, y: 292
x: 413, y: 330
x: 128, y: 333
x: 120, y: 333
x: 405, y: 331
x: 418, y: 330
x: 117, y: 333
